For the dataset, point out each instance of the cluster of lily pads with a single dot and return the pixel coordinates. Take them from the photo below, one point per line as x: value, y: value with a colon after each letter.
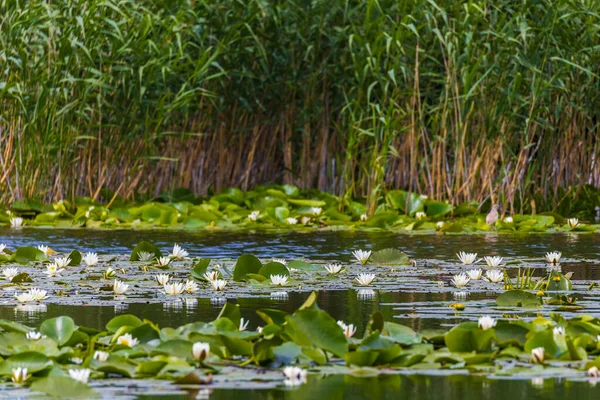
x: 282, y: 207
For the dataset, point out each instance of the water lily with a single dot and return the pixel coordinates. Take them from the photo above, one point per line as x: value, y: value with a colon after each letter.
x: 10, y: 273
x: 109, y: 273
x: 439, y: 225
x: 253, y: 216
x: 178, y: 252
x: 279, y: 295
x: 90, y: 259
x: 333, y: 268
x: 53, y: 270
x: 163, y: 261
x: 127, y: 340
x: 19, y: 375
x: 16, y: 222
x: 305, y: 220
x: 291, y: 221
x: 593, y: 372
x: 573, y: 223
x: 474, y: 274
x: 420, y: 215
x: 45, y: 249
x: 363, y: 218
x: 362, y: 255
x: 280, y: 261
x: 211, y: 276
x: 365, y: 279
x: 508, y: 220
x: 81, y: 375
x: 486, y: 323
x: 120, y: 287
x: 2, y: 247
x: 553, y: 257
x: 62, y: 262
x: 243, y: 325
x: 537, y: 355
x: 25, y: 297
x: 294, y: 376
x: 494, y: 275
x: 279, y: 280
x: 145, y: 256
x: 460, y: 280
x: 100, y: 355
x: 467, y: 258
x: 218, y: 284
x: 558, y: 331
x: 316, y: 211
x: 493, y: 262
x: 200, y: 350
x: 38, y: 294
x: 190, y: 286
x: 162, y: 279
x: 33, y: 335
x: 349, y: 330
x: 174, y: 289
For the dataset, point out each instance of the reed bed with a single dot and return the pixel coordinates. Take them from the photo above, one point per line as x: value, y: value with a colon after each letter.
x: 459, y: 100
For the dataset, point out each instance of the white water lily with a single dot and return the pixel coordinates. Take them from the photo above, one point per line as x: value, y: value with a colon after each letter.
x: 33, y: 335
x: 163, y: 261
x: 280, y: 261
x: 120, y: 287
x: 53, y: 270
x: 90, y: 259
x: 474, y: 274
x: 365, y: 279
x: 211, y: 276
x: 16, y: 222
x: 279, y: 295
x: 362, y: 255
x: 333, y: 268
x: 19, y: 375
x: 537, y: 355
x: 45, y: 249
x: 460, y: 280
x: 305, y: 220
x: 363, y: 218
x: 278, y: 280
x: 493, y: 262
x: 439, y: 224
x: 294, y: 376
x: 349, y: 330
x: 127, y: 340
x: 420, y: 215
x: 25, y: 297
x: 174, y: 289
x: 593, y: 372
x: 10, y: 272
x: 243, y: 324
x: 145, y: 256
x: 218, y: 284
x: 62, y: 262
x: 81, y: 375
x: 2, y: 247
x: 291, y: 221
x: 467, y: 258
x: 573, y: 223
x: 494, y: 275
x: 200, y: 350
x: 100, y: 355
x: 317, y: 211
x: 553, y: 257
x: 38, y: 294
x: 178, y: 252
x: 508, y: 220
x: 253, y: 216
x: 109, y: 273
x: 190, y: 286
x: 162, y: 279
x: 486, y: 323
x: 558, y: 331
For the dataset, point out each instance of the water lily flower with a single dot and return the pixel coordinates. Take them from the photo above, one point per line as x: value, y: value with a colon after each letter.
x: 2, y: 247
x: 553, y: 257
x: 200, y: 350
x: 467, y: 258
x: 81, y: 375
x: 62, y: 262
x: 90, y: 259
x: 493, y: 262
x: 486, y: 323
x: 10, y: 273
x: 163, y: 261
x: 76, y: 360
x: 439, y: 225
x: 305, y: 220
x: 145, y: 256
x: 211, y: 276
x: 363, y: 218
x: 333, y: 268
x: 218, y: 284
x: 474, y: 274
x: 365, y: 279
x: 362, y: 256
x: 38, y: 294
x: 120, y: 287
x: 537, y: 355
x: 162, y: 279
x: 190, y: 286
x: 16, y: 222
x: 460, y: 280
x: 291, y: 221
x: 349, y: 330
x: 494, y: 275
x: 174, y: 289
x: 45, y: 249
x: 508, y: 220
x: 279, y: 280
x: 259, y: 329
x: 33, y: 335
x: 294, y: 376
x: 317, y: 211
x: 178, y: 252
x: 253, y: 216
x: 593, y: 372
x: 420, y: 215
x: 109, y: 273
x: 558, y: 331
x: 25, y: 297
x: 573, y: 222
x: 280, y: 261
x: 53, y: 270
x: 279, y: 295
x: 100, y: 355
x: 127, y: 340
x: 19, y: 375
x: 243, y: 325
